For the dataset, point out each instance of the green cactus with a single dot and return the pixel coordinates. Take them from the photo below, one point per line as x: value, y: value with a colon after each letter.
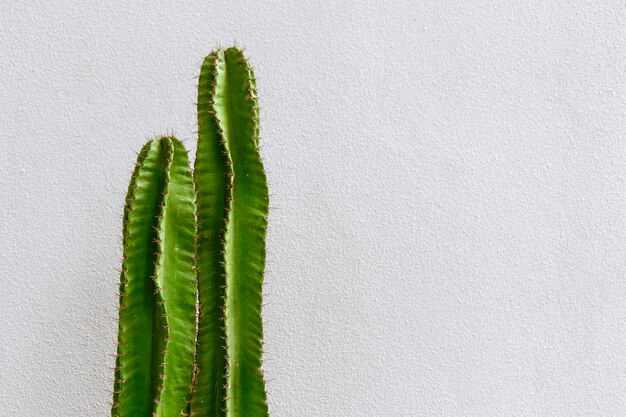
x: 232, y: 220
x: 190, y: 329
x: 157, y: 319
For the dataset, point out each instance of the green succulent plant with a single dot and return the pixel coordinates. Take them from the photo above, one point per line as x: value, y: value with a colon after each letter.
x: 190, y: 329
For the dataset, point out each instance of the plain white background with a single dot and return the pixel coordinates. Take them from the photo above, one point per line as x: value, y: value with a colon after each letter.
x: 447, y: 235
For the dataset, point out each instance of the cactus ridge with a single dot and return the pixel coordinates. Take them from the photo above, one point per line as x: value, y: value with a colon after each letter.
x: 157, y: 286
x: 230, y: 182
x: 210, y: 173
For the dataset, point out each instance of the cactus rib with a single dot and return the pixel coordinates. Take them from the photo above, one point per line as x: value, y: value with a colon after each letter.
x: 210, y: 175
x: 157, y: 286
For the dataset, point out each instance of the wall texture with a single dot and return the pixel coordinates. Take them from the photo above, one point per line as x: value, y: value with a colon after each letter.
x: 448, y: 178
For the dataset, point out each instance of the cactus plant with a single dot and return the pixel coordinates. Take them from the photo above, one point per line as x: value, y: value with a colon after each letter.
x: 190, y: 329
x: 157, y: 318
x: 232, y: 219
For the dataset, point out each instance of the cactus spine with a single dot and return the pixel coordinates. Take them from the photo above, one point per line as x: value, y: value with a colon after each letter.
x: 157, y: 320
x: 232, y: 218
x: 190, y: 329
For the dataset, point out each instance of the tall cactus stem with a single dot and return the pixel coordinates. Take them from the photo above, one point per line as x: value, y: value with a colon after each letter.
x: 231, y: 185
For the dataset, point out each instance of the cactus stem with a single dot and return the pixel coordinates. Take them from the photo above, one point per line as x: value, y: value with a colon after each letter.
x: 162, y: 164
x: 226, y: 82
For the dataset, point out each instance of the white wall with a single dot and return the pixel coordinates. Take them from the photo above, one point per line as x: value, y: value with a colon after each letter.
x: 448, y: 233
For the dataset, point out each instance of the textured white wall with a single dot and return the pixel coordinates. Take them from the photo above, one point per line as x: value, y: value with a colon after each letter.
x: 448, y: 234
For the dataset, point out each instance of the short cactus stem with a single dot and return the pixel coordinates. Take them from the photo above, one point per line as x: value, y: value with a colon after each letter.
x: 157, y: 322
